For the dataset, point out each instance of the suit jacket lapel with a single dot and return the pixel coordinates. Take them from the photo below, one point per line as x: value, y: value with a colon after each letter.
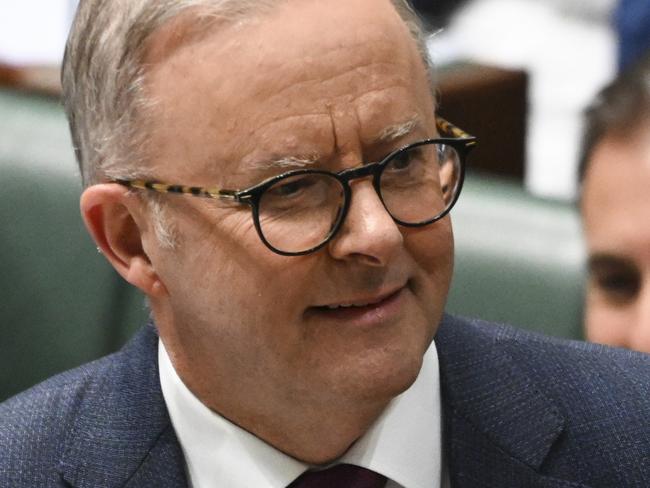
x: 164, y: 465
x: 122, y: 434
x: 498, y: 427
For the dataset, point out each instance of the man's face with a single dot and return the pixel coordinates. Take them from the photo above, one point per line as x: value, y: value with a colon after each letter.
x: 616, y: 209
x: 248, y: 330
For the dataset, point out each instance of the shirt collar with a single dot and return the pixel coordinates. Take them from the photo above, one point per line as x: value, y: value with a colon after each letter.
x: 404, y: 444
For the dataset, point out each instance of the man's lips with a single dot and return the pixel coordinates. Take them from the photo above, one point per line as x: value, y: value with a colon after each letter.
x: 360, y: 302
x: 369, y: 310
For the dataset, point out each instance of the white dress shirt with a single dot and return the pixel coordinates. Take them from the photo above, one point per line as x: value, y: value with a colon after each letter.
x: 404, y: 444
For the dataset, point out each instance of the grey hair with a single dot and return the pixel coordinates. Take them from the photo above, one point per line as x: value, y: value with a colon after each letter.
x: 103, y: 77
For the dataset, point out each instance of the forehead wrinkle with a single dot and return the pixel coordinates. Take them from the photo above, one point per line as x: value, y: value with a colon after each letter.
x: 346, y: 70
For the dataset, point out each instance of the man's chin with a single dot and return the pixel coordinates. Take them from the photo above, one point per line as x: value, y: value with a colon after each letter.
x: 383, y: 380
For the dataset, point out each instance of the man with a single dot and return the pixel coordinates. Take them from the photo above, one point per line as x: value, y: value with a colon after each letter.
x: 615, y: 205
x: 272, y: 175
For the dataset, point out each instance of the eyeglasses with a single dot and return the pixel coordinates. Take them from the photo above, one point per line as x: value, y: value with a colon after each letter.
x: 298, y: 212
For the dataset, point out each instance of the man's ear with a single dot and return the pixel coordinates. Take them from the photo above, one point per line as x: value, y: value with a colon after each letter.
x: 113, y: 218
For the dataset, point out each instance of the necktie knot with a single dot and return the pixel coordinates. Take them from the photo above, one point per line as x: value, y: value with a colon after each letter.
x: 340, y: 476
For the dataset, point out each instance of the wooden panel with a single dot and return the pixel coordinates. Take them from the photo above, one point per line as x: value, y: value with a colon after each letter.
x: 43, y: 80
x: 491, y: 104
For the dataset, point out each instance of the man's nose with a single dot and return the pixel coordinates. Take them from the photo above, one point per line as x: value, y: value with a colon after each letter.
x: 369, y: 234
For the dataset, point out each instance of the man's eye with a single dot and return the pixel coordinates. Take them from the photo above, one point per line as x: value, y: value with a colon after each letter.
x: 405, y: 159
x: 402, y: 161
x: 619, y: 286
x: 291, y: 187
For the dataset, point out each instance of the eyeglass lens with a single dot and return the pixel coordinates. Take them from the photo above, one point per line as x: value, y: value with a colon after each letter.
x: 417, y: 185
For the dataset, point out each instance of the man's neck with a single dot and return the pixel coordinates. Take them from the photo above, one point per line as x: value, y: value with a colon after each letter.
x: 313, y: 435
x: 404, y: 443
x: 312, y: 430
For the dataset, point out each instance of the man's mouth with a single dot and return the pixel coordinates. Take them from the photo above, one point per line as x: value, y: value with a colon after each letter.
x: 370, y: 309
x: 360, y: 303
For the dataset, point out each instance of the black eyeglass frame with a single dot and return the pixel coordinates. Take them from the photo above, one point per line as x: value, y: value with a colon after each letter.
x: 462, y: 143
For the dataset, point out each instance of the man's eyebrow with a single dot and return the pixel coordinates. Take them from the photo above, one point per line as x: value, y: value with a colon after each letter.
x: 285, y: 162
x: 608, y: 261
x: 397, y: 131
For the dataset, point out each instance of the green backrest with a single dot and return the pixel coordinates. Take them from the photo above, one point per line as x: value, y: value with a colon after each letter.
x: 61, y: 303
x: 518, y: 258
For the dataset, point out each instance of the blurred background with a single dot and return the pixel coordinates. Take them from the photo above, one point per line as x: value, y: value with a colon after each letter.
x: 515, y: 73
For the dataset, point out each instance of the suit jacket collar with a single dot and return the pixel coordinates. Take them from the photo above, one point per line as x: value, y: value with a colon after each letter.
x: 122, y: 436
x: 498, y: 426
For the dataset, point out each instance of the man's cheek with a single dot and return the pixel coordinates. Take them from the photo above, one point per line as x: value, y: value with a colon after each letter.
x: 433, y: 248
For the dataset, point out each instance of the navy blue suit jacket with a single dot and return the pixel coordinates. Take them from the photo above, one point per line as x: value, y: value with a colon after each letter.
x: 520, y: 410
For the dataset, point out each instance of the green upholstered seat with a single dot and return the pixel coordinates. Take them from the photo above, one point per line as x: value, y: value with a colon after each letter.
x: 519, y: 259
x: 61, y: 304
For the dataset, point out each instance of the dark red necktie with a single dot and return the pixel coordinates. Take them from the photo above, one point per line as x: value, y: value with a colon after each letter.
x: 340, y: 476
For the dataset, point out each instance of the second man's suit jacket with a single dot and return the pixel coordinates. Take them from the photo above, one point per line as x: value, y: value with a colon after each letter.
x: 520, y: 410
